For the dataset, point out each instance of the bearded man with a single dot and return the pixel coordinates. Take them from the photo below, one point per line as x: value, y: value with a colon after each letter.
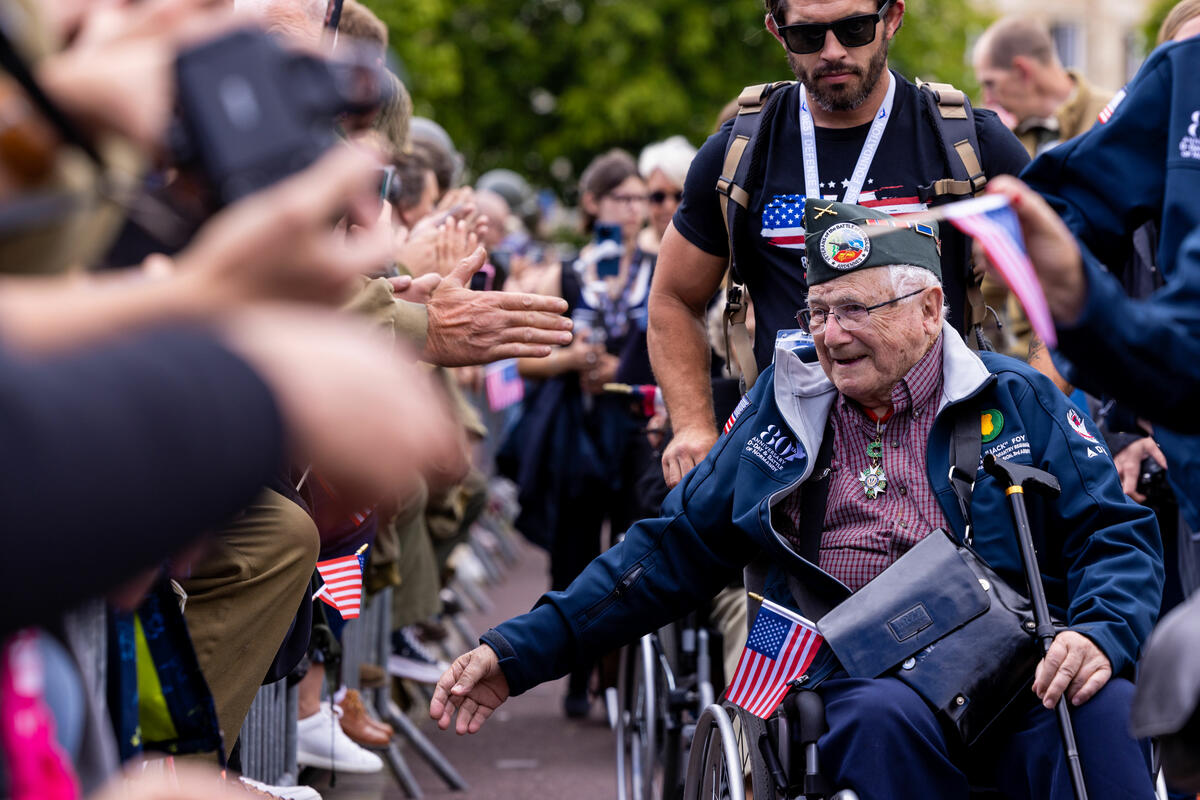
x: 849, y: 130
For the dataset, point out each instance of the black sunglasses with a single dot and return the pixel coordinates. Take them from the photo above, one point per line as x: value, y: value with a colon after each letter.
x: 856, y: 31
x: 658, y: 198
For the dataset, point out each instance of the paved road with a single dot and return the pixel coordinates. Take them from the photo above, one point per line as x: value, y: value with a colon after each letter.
x: 528, y: 749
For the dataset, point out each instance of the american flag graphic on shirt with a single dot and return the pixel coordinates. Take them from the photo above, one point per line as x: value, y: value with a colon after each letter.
x: 783, y: 217
x: 343, y: 583
x: 783, y: 221
x: 781, y: 646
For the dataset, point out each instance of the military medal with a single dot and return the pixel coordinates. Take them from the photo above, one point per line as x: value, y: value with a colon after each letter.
x: 874, y: 479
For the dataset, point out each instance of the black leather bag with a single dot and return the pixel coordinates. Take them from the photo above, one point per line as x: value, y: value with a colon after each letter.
x: 943, y: 622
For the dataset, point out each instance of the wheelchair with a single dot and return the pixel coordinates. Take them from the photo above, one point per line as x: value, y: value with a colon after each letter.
x: 664, y: 681
x: 733, y: 749
x: 776, y: 762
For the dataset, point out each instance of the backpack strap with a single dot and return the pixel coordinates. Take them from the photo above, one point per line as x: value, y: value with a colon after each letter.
x: 735, y: 201
x: 954, y: 120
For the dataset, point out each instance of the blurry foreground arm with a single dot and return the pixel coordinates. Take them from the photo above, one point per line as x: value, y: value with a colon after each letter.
x: 685, y: 280
x: 278, y: 244
x: 156, y: 438
x: 1144, y: 353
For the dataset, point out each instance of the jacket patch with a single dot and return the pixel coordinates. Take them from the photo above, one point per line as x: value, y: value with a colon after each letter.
x: 1016, y: 447
x: 774, y: 448
x: 1111, y: 108
x: 1079, y: 426
x: 737, y: 412
x: 991, y: 424
x: 1189, y: 146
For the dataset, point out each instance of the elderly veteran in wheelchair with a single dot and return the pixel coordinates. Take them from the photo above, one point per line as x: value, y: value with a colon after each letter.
x: 836, y: 466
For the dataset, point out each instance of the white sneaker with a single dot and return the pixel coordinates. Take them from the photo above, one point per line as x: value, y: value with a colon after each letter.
x: 321, y: 743
x: 410, y: 659
x: 283, y: 792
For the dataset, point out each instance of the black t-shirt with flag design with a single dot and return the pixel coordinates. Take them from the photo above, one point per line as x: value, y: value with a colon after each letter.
x: 773, y: 267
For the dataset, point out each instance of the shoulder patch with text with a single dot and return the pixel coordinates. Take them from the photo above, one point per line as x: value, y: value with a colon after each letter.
x: 774, y: 447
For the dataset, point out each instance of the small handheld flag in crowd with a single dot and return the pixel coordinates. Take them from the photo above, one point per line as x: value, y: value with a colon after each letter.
x: 651, y: 396
x: 781, y: 646
x: 343, y: 579
x: 504, y: 385
x: 993, y: 223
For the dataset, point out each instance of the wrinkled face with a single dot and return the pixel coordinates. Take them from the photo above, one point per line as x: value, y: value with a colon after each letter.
x: 1005, y: 88
x: 840, y: 78
x: 625, y: 206
x: 864, y: 364
x: 659, y: 185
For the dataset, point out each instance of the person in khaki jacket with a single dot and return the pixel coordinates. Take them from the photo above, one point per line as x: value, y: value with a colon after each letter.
x: 1019, y: 71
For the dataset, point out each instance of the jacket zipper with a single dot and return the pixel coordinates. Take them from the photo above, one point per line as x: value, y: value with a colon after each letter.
x: 623, y: 585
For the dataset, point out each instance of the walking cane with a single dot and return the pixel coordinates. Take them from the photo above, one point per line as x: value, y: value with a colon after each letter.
x: 1016, y: 478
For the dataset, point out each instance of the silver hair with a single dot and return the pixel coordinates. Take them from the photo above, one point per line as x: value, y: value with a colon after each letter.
x: 672, y: 156
x: 906, y: 278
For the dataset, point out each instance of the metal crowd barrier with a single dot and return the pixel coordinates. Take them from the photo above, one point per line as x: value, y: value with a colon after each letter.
x: 269, y: 736
x: 367, y: 640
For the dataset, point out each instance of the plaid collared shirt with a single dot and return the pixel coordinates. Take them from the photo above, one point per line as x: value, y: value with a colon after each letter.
x: 863, y: 537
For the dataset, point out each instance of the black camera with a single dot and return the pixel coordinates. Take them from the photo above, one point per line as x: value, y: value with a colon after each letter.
x: 252, y: 112
x: 1152, y: 482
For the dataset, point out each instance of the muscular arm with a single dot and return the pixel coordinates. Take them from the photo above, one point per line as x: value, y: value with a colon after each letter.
x: 684, y: 281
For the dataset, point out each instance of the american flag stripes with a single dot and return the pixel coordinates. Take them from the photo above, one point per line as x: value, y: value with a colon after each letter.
x: 1111, y: 108
x: 993, y: 223
x: 504, y: 385
x: 781, y: 646
x: 343, y: 583
x: 737, y: 412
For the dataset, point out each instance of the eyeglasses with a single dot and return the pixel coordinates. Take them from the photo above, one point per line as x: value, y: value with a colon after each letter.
x: 850, y: 316
x: 627, y: 199
x: 856, y: 31
x: 658, y: 198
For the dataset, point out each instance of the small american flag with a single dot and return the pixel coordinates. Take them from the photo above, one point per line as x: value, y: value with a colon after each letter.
x: 1111, y: 108
x: 993, y: 223
x: 783, y: 221
x: 504, y: 385
x: 737, y: 412
x: 781, y: 646
x: 343, y: 583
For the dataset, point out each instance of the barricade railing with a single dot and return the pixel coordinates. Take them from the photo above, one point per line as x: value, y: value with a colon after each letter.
x: 268, y: 736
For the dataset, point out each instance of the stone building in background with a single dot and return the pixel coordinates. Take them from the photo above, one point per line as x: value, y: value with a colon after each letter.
x: 1100, y: 38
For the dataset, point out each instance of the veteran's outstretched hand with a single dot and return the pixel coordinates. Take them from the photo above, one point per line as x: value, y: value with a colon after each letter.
x: 474, y: 686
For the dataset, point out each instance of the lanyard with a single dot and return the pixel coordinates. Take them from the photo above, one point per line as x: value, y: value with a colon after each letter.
x: 812, y: 180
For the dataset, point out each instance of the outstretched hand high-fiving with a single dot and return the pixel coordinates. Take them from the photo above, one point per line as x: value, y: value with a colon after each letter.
x: 474, y: 686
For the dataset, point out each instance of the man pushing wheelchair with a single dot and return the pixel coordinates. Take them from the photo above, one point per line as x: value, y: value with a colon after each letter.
x: 863, y: 444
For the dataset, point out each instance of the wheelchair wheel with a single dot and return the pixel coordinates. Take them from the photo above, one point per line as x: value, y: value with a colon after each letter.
x: 715, y: 765
x: 639, y: 725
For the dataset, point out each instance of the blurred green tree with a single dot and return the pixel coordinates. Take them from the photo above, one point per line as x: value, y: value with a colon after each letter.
x: 1155, y: 16
x: 541, y: 86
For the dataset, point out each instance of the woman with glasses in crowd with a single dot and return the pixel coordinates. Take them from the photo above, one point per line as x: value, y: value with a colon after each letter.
x: 664, y: 166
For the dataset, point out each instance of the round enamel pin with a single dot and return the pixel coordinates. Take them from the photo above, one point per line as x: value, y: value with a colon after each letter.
x: 845, y: 246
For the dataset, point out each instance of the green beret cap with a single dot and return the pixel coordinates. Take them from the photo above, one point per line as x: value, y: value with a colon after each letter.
x: 837, y: 242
